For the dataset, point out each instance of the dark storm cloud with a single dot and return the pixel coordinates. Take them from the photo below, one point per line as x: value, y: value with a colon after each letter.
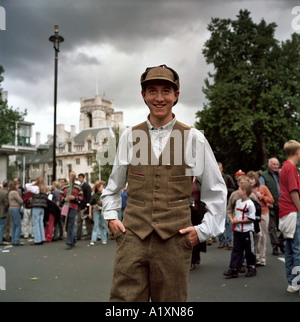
x: 30, y: 22
x: 128, y: 26
x: 111, y: 42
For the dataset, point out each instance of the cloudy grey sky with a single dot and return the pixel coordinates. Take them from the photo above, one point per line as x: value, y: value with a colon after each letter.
x: 113, y: 41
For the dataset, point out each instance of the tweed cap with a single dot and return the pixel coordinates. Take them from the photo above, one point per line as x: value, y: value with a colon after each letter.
x: 162, y: 72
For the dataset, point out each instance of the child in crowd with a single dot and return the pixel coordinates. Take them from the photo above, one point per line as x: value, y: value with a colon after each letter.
x: 243, y: 233
x: 100, y: 224
x: 266, y: 201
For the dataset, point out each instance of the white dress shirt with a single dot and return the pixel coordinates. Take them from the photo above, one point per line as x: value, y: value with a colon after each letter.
x: 198, y: 156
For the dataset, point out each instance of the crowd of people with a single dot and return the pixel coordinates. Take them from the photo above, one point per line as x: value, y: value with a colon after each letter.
x: 276, y: 192
x: 252, y: 183
x: 38, y: 214
x: 48, y: 215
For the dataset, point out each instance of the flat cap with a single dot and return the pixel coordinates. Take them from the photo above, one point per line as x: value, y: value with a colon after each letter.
x: 162, y: 72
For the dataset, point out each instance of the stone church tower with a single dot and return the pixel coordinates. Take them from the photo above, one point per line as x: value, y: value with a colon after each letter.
x: 97, y: 112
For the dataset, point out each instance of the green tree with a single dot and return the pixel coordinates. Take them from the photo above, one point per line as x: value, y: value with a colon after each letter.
x: 107, y: 168
x: 8, y: 117
x: 253, y: 100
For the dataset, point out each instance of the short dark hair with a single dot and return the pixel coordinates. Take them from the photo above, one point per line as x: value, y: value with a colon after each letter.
x: 81, y: 175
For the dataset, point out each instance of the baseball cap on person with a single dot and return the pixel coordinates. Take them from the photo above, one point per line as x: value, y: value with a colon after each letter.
x: 239, y: 173
x: 162, y: 72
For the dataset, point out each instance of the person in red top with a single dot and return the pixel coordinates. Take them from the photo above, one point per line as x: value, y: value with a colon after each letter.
x: 289, y: 213
x: 70, y: 195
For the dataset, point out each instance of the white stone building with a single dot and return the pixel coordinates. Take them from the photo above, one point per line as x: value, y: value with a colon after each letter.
x: 98, y: 112
x: 75, y: 152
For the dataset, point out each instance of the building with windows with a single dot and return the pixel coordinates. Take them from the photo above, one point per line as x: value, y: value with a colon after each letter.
x: 98, y: 112
x: 75, y: 151
x: 18, y: 145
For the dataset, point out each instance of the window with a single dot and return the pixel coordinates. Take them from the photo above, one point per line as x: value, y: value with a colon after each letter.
x: 89, y: 160
x: 24, y: 134
x: 89, y: 144
x: 90, y: 119
x: 69, y: 147
x: 78, y: 161
x: 49, y: 180
x: 23, y: 141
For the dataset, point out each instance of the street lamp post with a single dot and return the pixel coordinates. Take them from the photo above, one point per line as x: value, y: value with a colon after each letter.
x: 56, y: 39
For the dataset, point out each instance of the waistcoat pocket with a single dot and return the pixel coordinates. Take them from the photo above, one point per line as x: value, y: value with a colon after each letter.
x: 179, y: 203
x: 178, y: 178
x: 136, y: 176
x: 135, y: 202
x: 179, y: 189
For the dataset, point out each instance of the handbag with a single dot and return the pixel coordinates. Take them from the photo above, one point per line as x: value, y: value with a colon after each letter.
x: 66, y: 206
x: 65, y: 210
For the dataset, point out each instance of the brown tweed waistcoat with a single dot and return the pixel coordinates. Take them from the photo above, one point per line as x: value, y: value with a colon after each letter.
x: 158, y: 191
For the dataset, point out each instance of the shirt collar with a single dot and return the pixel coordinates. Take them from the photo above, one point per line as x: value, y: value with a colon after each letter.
x: 169, y: 126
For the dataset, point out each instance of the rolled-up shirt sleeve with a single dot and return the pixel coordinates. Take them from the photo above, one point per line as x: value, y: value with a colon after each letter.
x: 213, y: 189
x: 111, y: 195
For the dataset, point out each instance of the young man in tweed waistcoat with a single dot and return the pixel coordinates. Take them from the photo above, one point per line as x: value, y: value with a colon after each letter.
x: 158, y: 158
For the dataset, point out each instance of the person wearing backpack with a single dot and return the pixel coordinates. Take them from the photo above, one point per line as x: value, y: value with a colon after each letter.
x: 266, y: 201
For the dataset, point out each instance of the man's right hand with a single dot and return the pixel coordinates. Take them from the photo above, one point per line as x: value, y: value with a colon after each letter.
x: 116, y: 224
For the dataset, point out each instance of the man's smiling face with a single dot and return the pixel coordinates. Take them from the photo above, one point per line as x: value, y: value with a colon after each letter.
x: 160, y: 97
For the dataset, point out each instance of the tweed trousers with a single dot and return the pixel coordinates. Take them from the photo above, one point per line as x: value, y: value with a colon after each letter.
x: 151, y: 269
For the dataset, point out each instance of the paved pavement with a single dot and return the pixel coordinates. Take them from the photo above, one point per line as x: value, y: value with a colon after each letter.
x: 50, y: 273
x: 207, y: 283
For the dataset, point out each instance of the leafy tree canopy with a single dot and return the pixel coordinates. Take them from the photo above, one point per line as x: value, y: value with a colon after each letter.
x: 253, y: 94
x: 8, y: 117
